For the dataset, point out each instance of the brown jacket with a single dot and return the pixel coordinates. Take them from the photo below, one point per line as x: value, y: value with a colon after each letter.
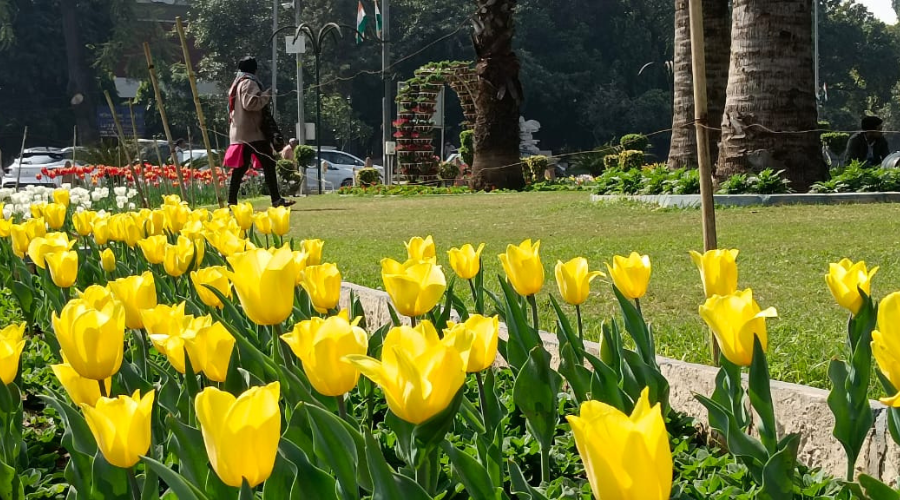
x: 246, y: 119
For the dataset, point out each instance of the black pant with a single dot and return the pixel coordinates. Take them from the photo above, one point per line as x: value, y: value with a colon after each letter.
x: 263, y: 151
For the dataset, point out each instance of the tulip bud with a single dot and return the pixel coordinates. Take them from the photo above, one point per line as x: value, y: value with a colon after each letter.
x: 154, y: 248
x: 466, y: 261
x: 243, y: 214
x: 313, y: 249
x: 718, y: 271
x: 93, y: 340
x: 63, y: 266
x: 55, y: 215
x: 84, y: 222
x: 61, y: 197
x: 523, y: 267
x: 321, y: 344
x: 845, y: 279
x: 485, y: 333
x: 735, y: 320
x: 108, y: 260
x: 209, y: 348
x: 216, y: 277
x: 264, y: 283
x: 136, y: 293
x: 323, y: 284
x: 121, y: 427
x: 415, y: 287
x: 630, y: 275
x: 12, y: 342
x: 280, y: 218
x: 262, y: 223
x: 178, y: 257
x: 574, y: 280
x: 421, y: 250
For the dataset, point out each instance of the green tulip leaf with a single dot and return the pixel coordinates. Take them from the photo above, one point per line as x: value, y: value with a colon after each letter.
x: 472, y: 416
x: 82, y: 439
x: 749, y: 450
x: 876, y: 490
x: 520, y: 487
x: 187, y: 444
x: 778, y: 473
x: 565, y: 333
x: 246, y: 491
x: 490, y: 455
x: 605, y: 386
x: 335, y: 446
x: 11, y: 488
x: 578, y: 377
x: 761, y: 396
x: 637, y: 327
x: 535, y: 394
x: 494, y: 410
x: 388, y: 485
x: 308, y: 481
x: 182, y: 488
x: 472, y: 474
x: 109, y: 482
x: 522, y: 336
x: 852, y: 420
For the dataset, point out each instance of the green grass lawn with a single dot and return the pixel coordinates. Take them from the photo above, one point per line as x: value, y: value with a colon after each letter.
x: 784, y: 256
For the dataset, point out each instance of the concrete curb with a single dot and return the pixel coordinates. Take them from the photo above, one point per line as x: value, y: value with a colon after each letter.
x: 798, y: 408
x: 747, y: 200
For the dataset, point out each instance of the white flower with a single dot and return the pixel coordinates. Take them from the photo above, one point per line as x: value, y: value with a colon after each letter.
x: 131, y: 206
x: 120, y: 190
x: 132, y: 193
x: 79, y: 209
x: 120, y: 205
x: 66, y: 185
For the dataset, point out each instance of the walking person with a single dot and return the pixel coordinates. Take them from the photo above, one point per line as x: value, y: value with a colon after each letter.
x: 250, y: 142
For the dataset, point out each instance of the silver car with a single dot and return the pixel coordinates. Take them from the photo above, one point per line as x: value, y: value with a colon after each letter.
x: 27, y: 170
x: 338, y: 170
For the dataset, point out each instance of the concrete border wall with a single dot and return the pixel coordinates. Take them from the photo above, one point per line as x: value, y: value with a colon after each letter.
x: 747, y: 200
x: 798, y: 408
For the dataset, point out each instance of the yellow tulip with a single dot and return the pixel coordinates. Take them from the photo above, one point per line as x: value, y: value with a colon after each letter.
x: 154, y: 248
x: 93, y: 340
x: 36, y: 228
x: 735, y: 319
x: 125, y: 228
x: 37, y: 210
x: 84, y: 222
x: 176, y: 216
x: 414, y: 287
x: 484, y: 332
x: 262, y: 223
x: 12, y: 342
x: 419, y: 249
x: 63, y: 266
x: 164, y: 319
x: 136, y: 293
x: 280, y: 217
x: 82, y: 391
x: 419, y: 373
x: 523, y: 267
x: 172, y: 344
x: 55, y: 215
x: 624, y: 457
x: 18, y: 234
x: 264, y: 283
x: 108, y: 260
x: 241, y: 434
x: 243, y: 214
x: 574, y: 280
x: 121, y: 427
x: 40, y: 246
x: 630, y: 275
x: 466, y: 261
x: 101, y: 231
x: 323, y: 284
x: 96, y: 296
x: 226, y: 242
x: 300, y: 258
x: 321, y: 345
x: 845, y: 279
x: 61, y: 196
x: 5, y: 226
x: 156, y: 223
x: 718, y: 271
x: 216, y: 277
x: 313, y: 249
x: 209, y: 348
x: 178, y: 257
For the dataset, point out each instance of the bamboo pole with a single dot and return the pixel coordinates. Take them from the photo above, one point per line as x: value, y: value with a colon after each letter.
x: 165, y: 121
x: 121, y: 136
x: 200, y: 117
x: 137, y: 144
x: 701, y: 119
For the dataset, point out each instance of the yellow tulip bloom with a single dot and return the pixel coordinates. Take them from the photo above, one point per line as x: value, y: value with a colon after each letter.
x: 121, y: 427
x: 193, y: 230
x: 84, y: 222
x: 280, y: 217
x: 313, y: 249
x: 12, y: 342
x: 631, y: 274
x: 845, y: 279
x: 5, y: 226
x: 55, y: 215
x: 156, y: 223
x: 264, y: 283
x: 209, y: 348
x: 108, y: 260
x: 63, y: 266
x: 216, y: 277
x: 243, y: 214
x: 154, y: 248
x: 415, y: 287
x: 82, y: 391
x: 484, y: 332
x: 178, y: 257
x: 323, y: 284
x: 421, y: 250
x: 886, y: 345
x: 735, y: 319
x: 419, y: 373
x: 96, y: 296
x: 718, y: 271
x: 61, y: 196
x: 164, y: 319
x: 466, y: 261
x: 136, y: 293
x: 300, y: 258
x: 226, y: 242
x: 101, y: 231
x: 523, y: 267
x: 262, y: 223
x: 574, y: 280
x: 176, y: 216
x: 624, y: 457
x: 321, y: 344
x: 241, y: 434
x: 172, y: 343
x: 40, y: 246
x: 20, y: 240
x: 93, y: 340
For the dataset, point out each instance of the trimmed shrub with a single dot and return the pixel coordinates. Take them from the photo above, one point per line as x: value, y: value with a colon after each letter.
x: 304, y: 155
x: 467, y: 146
x: 368, y: 176
x: 836, y: 141
x: 631, y: 159
x: 636, y: 142
x: 448, y: 171
x: 610, y: 162
x: 533, y: 168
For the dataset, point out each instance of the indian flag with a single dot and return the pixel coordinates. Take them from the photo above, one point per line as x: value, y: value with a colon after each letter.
x: 377, y: 19
x: 360, y: 22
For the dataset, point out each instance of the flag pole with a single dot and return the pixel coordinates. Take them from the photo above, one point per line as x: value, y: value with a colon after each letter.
x: 386, y: 78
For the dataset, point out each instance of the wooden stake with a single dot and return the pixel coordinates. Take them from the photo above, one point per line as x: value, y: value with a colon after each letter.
x: 701, y: 119
x: 19, y: 171
x: 137, y: 144
x: 165, y: 121
x: 162, y: 167
x: 191, y: 78
x: 121, y: 135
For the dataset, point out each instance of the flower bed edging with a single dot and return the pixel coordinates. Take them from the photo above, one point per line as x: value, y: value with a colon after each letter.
x: 748, y: 200
x: 798, y: 408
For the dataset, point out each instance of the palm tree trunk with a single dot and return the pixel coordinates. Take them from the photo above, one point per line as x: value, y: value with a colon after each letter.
x: 80, y: 77
x: 717, y: 32
x: 498, y: 98
x: 770, y: 89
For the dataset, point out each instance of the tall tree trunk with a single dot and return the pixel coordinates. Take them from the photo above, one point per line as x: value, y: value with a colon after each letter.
x: 499, y: 95
x: 81, y: 81
x: 771, y: 89
x: 717, y: 32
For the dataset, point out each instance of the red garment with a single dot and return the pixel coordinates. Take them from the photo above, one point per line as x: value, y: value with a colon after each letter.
x: 234, y: 157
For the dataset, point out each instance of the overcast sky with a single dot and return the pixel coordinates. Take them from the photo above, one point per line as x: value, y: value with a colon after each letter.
x: 882, y: 10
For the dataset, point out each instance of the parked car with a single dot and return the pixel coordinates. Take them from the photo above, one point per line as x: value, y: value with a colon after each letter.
x: 26, y: 170
x: 339, y: 170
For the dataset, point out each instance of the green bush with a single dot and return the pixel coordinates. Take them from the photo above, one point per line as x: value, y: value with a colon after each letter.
x: 610, y: 162
x: 533, y: 168
x: 631, y: 159
x: 836, y: 141
x: 368, y: 176
x: 467, y: 146
x: 290, y: 178
x: 736, y: 184
x: 636, y: 142
x: 304, y: 155
x: 448, y: 171
x: 769, y: 182
x: 655, y: 179
x: 685, y: 181
x: 589, y: 163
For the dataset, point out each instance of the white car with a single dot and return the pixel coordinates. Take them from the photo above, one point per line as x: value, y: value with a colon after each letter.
x: 27, y: 170
x: 339, y: 170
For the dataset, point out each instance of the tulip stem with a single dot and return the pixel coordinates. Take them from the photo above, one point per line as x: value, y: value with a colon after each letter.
x: 132, y: 483
x: 474, y: 295
x: 342, y: 407
x: 534, y: 312
x: 481, y: 396
x: 412, y: 321
x: 545, y: 465
x: 637, y: 305
x: 580, y: 325
x: 102, y: 384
